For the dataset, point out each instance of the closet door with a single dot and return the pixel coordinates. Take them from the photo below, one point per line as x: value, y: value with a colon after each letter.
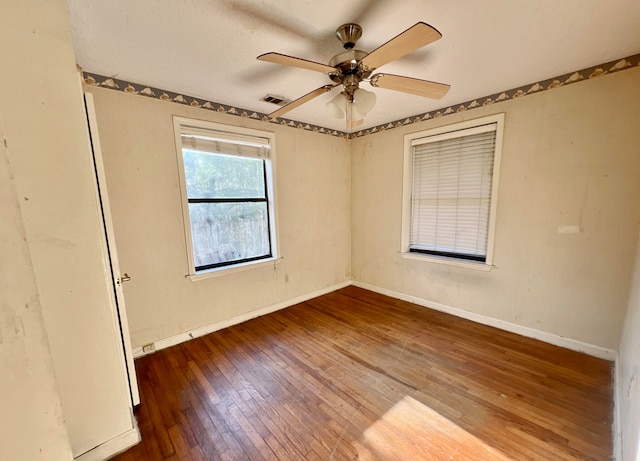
x: 119, y: 278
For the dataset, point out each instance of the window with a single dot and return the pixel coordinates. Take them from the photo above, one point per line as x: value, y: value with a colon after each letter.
x: 227, y: 188
x: 450, y: 189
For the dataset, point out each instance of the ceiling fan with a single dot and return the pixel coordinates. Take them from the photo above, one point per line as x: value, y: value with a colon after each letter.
x: 353, y: 66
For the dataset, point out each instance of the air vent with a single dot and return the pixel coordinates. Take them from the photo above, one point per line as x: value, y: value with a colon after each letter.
x: 277, y: 100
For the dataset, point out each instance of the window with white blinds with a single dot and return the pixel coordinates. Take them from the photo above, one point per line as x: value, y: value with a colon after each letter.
x: 452, y: 182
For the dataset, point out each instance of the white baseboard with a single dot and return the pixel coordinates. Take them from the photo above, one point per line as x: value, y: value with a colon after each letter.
x: 568, y: 343
x: 112, y: 447
x: 551, y: 338
x: 205, y: 330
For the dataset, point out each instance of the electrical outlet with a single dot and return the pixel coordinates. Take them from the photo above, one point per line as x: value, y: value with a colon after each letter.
x: 149, y: 348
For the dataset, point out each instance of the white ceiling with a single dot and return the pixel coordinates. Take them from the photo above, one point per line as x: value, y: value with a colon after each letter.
x: 207, y: 48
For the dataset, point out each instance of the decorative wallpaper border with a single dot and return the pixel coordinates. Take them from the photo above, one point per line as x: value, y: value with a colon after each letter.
x: 538, y: 87
x: 165, y: 95
x: 532, y: 88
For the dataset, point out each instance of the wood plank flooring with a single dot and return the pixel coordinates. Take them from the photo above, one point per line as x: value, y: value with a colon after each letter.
x: 355, y: 375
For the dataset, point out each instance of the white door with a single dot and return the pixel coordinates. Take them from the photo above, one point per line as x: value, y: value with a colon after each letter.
x: 118, y: 278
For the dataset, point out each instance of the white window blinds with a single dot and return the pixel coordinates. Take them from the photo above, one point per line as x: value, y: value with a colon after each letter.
x: 220, y: 142
x: 451, y: 192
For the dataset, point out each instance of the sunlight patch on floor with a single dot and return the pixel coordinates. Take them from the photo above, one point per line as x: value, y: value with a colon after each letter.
x: 412, y: 430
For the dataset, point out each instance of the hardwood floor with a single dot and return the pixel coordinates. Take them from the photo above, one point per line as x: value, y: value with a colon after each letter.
x: 357, y: 375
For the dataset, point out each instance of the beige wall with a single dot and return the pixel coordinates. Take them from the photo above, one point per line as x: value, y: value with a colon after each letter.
x: 47, y: 144
x: 570, y: 157
x: 628, y: 373
x: 312, y: 196
x: 31, y: 425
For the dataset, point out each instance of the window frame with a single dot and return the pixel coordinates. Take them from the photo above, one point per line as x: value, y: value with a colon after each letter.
x: 407, y: 185
x: 181, y: 123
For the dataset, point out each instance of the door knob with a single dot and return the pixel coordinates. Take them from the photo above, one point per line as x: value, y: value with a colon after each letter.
x: 125, y: 278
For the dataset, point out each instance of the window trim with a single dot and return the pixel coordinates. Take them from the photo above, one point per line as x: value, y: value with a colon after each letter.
x: 449, y: 131
x: 270, y: 186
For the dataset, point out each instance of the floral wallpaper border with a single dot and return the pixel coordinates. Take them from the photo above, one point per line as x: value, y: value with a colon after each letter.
x: 549, y: 84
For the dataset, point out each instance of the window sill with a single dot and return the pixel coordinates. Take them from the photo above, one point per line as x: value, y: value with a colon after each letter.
x: 228, y: 270
x: 479, y: 266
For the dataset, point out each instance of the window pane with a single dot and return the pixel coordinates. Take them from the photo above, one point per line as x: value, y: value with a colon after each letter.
x: 222, y: 176
x: 224, y: 232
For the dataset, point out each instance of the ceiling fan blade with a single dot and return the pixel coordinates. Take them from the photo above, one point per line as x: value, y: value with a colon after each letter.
x: 410, y: 85
x: 411, y: 39
x: 285, y: 60
x: 300, y: 101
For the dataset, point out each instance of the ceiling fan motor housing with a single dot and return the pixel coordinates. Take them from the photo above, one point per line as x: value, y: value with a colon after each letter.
x: 349, y: 72
x: 347, y: 63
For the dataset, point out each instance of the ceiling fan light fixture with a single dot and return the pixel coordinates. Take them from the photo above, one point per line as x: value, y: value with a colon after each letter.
x: 364, y: 100
x: 336, y: 107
